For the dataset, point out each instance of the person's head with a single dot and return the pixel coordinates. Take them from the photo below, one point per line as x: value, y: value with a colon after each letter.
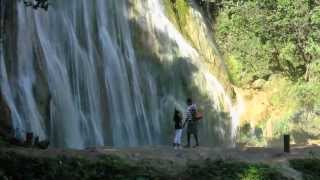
x: 189, y: 101
x: 176, y: 112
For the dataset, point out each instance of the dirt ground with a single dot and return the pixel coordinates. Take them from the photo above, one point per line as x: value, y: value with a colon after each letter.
x: 250, y: 154
x: 179, y: 158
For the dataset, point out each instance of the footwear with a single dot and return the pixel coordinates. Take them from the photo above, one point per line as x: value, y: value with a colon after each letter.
x: 196, y: 146
x: 178, y: 146
x: 187, y: 146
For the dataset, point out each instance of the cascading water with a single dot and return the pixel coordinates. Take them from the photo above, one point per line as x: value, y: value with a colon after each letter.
x: 78, y: 82
x: 218, y: 99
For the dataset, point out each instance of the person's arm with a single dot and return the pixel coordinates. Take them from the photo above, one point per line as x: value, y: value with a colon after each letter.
x: 187, y: 118
x: 184, y: 123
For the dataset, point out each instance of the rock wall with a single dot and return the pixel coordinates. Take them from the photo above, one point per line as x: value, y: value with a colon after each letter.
x: 5, y: 119
x: 188, y: 17
x: 7, y: 24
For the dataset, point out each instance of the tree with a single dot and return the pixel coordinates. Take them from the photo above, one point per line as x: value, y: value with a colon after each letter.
x: 270, y: 36
x: 43, y: 4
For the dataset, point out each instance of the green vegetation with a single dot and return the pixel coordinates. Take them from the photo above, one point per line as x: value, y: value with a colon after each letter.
x: 107, y: 167
x: 271, y: 36
x: 112, y: 167
x: 297, y: 104
x: 232, y: 170
x: 177, y: 11
x: 292, y: 107
x: 264, y: 39
x: 179, y: 14
x: 251, y: 136
x: 310, y: 168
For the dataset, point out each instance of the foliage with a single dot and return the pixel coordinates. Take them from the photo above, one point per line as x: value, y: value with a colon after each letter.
x: 235, y: 70
x: 270, y: 36
x: 112, y: 167
x: 260, y: 38
x: 282, y: 89
x: 106, y: 167
x: 294, y: 107
x: 251, y: 136
x: 181, y: 10
x: 228, y: 169
x: 309, y: 167
x: 168, y: 6
x: 178, y: 12
x: 313, y: 73
x: 308, y: 94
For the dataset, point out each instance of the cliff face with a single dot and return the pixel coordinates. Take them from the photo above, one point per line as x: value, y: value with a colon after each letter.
x: 5, y: 120
x: 9, y: 33
x: 196, y: 28
x: 7, y: 47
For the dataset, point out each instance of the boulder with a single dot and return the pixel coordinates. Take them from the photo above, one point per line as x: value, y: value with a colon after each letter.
x: 275, y: 77
x: 258, y: 84
x: 41, y: 144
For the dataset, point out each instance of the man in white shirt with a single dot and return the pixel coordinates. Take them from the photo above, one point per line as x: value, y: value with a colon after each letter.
x: 192, y: 128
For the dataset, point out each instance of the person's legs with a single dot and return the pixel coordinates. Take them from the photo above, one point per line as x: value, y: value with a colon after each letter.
x: 175, y: 140
x: 196, y: 138
x: 179, y: 133
x: 175, y: 137
x: 188, y: 138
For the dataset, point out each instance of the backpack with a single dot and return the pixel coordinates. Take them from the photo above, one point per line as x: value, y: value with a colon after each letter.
x: 198, y: 116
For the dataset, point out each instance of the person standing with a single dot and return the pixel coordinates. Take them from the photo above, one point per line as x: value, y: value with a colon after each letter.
x: 177, y: 118
x: 192, y: 127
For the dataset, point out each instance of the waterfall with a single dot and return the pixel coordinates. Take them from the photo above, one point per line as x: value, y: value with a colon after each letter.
x: 78, y: 82
x: 157, y: 19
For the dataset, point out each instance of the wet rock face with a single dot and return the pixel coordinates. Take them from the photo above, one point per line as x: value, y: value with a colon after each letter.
x: 5, y: 119
x: 7, y: 26
x: 8, y: 32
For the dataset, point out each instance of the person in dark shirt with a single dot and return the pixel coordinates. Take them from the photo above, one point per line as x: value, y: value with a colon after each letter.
x: 177, y: 118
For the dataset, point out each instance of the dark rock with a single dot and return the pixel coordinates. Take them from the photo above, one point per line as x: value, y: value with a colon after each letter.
x: 16, y: 142
x: 2, y: 176
x: 5, y: 120
x: 42, y: 144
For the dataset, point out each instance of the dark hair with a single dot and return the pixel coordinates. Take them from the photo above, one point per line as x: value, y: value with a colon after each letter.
x: 177, y: 113
x: 189, y: 101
